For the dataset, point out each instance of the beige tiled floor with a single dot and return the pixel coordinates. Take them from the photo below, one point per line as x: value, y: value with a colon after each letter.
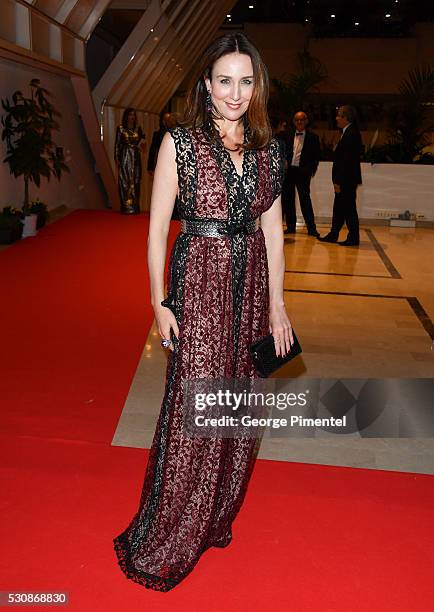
x: 377, y: 336
x: 349, y: 336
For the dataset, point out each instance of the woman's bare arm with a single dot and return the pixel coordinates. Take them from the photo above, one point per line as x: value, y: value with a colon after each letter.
x: 271, y: 223
x: 164, y: 192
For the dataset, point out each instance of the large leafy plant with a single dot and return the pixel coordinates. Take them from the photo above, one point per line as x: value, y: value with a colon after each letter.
x: 410, y: 121
x: 291, y: 90
x: 28, y: 125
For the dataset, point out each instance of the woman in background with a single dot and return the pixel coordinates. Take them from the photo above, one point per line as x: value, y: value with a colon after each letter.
x: 129, y: 145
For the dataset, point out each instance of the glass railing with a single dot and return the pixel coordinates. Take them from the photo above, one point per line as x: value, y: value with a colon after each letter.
x: 25, y: 26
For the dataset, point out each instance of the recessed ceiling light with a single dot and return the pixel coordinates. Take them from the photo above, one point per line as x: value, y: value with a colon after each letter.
x: 388, y: 15
x: 251, y: 6
x: 151, y: 30
x: 332, y: 16
x: 356, y: 23
x: 228, y: 16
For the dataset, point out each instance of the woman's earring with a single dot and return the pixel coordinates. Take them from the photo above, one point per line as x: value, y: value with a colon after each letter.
x: 208, y: 102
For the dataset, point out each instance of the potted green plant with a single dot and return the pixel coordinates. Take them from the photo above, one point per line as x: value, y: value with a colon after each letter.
x: 291, y: 89
x: 28, y: 125
x: 11, y: 227
x: 410, y: 122
x: 39, y: 209
x: 12, y: 210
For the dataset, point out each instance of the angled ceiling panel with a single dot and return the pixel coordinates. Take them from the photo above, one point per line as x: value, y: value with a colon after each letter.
x: 80, y: 16
x: 160, y: 51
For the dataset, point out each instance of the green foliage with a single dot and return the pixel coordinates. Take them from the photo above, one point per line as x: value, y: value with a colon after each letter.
x: 409, y: 126
x: 37, y: 206
x: 292, y: 89
x: 395, y: 153
x: 9, y: 220
x: 27, y: 129
x: 12, y: 210
x: 418, y: 87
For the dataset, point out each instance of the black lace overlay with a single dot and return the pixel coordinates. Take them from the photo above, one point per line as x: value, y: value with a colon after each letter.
x: 187, y: 171
x: 277, y: 169
x: 128, y: 544
x: 240, y: 194
x: 175, y: 287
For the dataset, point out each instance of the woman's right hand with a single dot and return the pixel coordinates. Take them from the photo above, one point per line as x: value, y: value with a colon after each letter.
x: 165, y: 322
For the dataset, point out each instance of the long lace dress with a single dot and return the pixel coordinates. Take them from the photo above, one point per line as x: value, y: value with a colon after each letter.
x: 218, y: 290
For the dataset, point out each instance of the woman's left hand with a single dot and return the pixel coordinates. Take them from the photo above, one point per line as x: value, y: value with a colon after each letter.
x: 280, y: 327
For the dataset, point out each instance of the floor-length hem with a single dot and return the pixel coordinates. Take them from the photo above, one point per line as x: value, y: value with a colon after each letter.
x: 150, y: 581
x: 157, y: 583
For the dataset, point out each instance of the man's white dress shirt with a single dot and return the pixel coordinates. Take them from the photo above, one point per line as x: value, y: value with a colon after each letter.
x: 298, y: 146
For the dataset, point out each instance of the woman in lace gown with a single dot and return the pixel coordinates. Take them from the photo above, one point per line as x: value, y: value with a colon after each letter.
x: 225, y: 291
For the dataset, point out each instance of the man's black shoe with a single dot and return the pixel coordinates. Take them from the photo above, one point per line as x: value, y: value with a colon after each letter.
x: 313, y: 233
x: 349, y: 242
x: 289, y: 231
x: 328, y: 238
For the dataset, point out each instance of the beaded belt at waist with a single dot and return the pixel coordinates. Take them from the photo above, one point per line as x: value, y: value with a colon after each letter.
x: 215, y: 228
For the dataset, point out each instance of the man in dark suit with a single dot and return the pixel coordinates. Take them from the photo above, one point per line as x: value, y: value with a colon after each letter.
x: 346, y: 176
x: 303, y: 152
x: 167, y: 120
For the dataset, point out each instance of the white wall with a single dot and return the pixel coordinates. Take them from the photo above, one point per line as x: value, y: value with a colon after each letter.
x: 397, y: 187
x: 77, y: 189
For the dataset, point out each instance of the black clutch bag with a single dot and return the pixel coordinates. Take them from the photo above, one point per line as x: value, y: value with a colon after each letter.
x: 264, y: 355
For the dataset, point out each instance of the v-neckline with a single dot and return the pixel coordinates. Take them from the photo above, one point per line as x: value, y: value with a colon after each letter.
x: 231, y: 161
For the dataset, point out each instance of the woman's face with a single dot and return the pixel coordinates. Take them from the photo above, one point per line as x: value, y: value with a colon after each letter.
x: 231, y: 85
x: 131, y: 118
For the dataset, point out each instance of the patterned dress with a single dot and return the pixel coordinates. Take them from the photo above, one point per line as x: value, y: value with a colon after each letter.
x: 218, y: 290
x: 128, y: 155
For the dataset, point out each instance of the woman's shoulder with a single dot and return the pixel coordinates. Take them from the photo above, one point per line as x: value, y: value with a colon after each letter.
x: 274, y: 145
x: 179, y: 131
x: 187, y: 137
x: 272, y: 150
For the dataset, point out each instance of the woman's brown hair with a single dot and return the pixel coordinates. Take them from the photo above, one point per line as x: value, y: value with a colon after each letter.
x: 125, y: 116
x: 256, y: 118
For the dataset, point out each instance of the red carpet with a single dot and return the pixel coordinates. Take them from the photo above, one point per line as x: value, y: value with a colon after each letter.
x: 75, y: 316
